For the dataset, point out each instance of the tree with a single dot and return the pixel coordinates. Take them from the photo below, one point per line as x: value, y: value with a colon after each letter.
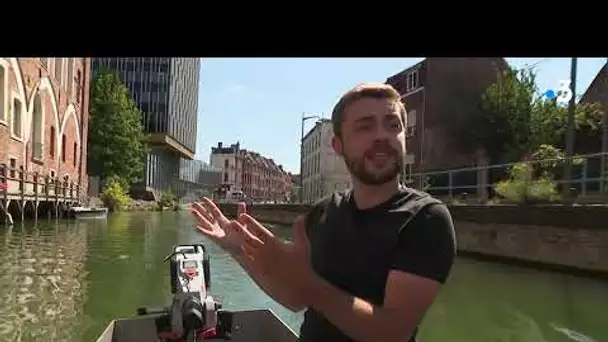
x: 497, y: 121
x: 117, y: 143
x: 550, y: 123
x: 511, y: 120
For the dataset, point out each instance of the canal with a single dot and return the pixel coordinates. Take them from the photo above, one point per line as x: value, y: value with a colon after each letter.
x: 65, y: 281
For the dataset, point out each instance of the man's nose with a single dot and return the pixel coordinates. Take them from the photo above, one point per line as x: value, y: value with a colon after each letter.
x: 381, y: 132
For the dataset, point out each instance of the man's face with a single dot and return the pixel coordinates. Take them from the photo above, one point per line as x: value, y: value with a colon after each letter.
x: 373, y: 140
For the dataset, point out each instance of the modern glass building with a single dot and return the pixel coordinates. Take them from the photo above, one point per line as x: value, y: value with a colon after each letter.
x: 166, y: 91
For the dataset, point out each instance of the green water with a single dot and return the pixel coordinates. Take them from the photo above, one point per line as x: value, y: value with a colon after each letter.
x: 65, y: 281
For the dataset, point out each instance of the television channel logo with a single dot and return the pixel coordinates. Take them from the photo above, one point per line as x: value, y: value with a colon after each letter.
x: 563, y: 95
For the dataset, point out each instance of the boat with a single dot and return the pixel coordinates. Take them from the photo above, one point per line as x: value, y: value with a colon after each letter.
x: 247, y: 326
x: 194, y: 315
x: 87, y: 213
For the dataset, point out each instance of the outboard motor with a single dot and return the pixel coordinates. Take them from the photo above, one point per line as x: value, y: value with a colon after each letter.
x: 194, y: 315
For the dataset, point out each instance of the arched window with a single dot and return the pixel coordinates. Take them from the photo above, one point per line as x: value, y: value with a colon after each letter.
x: 16, y: 120
x: 52, y: 138
x: 75, y: 153
x: 63, y: 143
x: 37, y: 132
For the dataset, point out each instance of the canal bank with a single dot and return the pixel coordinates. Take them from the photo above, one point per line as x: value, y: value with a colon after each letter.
x: 66, y: 280
x: 565, y: 238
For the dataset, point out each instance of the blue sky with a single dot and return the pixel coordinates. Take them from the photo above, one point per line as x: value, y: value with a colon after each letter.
x: 259, y: 101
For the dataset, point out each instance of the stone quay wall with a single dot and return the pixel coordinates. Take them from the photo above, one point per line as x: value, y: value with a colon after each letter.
x: 567, y: 238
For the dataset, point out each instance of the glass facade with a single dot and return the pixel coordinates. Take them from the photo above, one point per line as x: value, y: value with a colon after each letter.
x: 199, y: 172
x: 166, y: 91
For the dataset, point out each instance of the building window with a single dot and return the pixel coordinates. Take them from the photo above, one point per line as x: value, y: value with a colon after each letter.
x: 44, y: 62
x: 75, y: 156
x: 16, y: 121
x: 226, y: 163
x: 3, y: 93
x: 63, y: 143
x: 412, y: 81
x: 411, y: 123
x: 70, y: 79
x: 59, y: 71
x: 37, y: 135
x: 225, y: 177
x: 52, y: 144
x: 12, y: 165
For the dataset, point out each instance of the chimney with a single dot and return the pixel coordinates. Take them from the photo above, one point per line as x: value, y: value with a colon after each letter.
x: 219, y: 144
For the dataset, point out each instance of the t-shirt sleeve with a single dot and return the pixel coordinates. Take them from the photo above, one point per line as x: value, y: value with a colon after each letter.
x: 427, y: 244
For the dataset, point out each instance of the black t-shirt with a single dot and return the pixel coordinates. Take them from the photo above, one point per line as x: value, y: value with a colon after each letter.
x: 356, y: 249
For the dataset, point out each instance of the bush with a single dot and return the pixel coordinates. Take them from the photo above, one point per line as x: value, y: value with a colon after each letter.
x: 167, y: 200
x: 114, y: 196
x: 521, y: 187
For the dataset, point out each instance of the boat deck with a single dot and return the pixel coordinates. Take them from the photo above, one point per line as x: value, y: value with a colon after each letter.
x: 247, y: 326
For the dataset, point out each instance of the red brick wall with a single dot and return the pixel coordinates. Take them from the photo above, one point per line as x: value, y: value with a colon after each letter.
x: 63, y: 113
x: 452, y: 86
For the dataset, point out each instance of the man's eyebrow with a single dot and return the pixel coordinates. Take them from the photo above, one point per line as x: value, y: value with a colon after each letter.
x: 365, y: 119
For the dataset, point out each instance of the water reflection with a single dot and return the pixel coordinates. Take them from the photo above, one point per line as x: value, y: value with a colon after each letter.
x: 41, y: 279
x: 490, y: 302
x: 65, y: 281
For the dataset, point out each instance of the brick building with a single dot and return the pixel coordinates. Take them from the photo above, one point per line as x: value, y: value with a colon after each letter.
x: 433, y: 90
x: 258, y: 177
x: 44, y: 104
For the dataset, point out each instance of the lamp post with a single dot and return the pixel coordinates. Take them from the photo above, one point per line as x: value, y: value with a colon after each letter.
x: 570, y: 132
x: 304, y: 119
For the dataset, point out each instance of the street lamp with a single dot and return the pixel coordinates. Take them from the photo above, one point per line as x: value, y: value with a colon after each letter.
x: 570, y: 132
x: 304, y: 119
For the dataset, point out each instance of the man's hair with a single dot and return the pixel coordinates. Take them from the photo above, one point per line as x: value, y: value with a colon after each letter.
x: 365, y: 90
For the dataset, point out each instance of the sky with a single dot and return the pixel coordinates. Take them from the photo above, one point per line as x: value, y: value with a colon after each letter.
x: 259, y: 101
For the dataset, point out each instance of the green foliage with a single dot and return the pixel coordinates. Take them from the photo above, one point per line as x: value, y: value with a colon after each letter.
x: 114, y: 196
x: 522, y: 187
x: 511, y: 119
x: 549, y: 158
x: 506, y: 111
x: 117, y: 143
x: 549, y: 122
x: 167, y: 200
x: 498, y: 121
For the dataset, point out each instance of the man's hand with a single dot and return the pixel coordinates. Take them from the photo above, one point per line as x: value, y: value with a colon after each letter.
x: 231, y: 236
x: 212, y: 223
x: 286, y: 264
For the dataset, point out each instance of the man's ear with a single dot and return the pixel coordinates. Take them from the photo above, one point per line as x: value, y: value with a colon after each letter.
x: 336, y: 143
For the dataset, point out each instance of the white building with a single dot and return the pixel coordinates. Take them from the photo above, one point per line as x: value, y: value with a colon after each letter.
x: 323, y: 171
x: 225, y: 159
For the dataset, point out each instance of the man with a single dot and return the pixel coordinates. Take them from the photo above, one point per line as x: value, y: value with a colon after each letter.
x: 366, y: 263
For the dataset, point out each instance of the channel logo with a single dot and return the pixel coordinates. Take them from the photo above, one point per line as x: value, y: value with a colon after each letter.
x: 563, y: 95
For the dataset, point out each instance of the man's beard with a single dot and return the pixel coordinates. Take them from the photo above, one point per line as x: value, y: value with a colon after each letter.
x: 358, y: 169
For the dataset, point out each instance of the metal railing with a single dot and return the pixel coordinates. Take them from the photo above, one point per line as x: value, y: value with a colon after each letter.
x: 480, y: 181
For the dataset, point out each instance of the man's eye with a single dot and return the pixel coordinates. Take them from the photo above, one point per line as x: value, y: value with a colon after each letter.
x: 394, y: 125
